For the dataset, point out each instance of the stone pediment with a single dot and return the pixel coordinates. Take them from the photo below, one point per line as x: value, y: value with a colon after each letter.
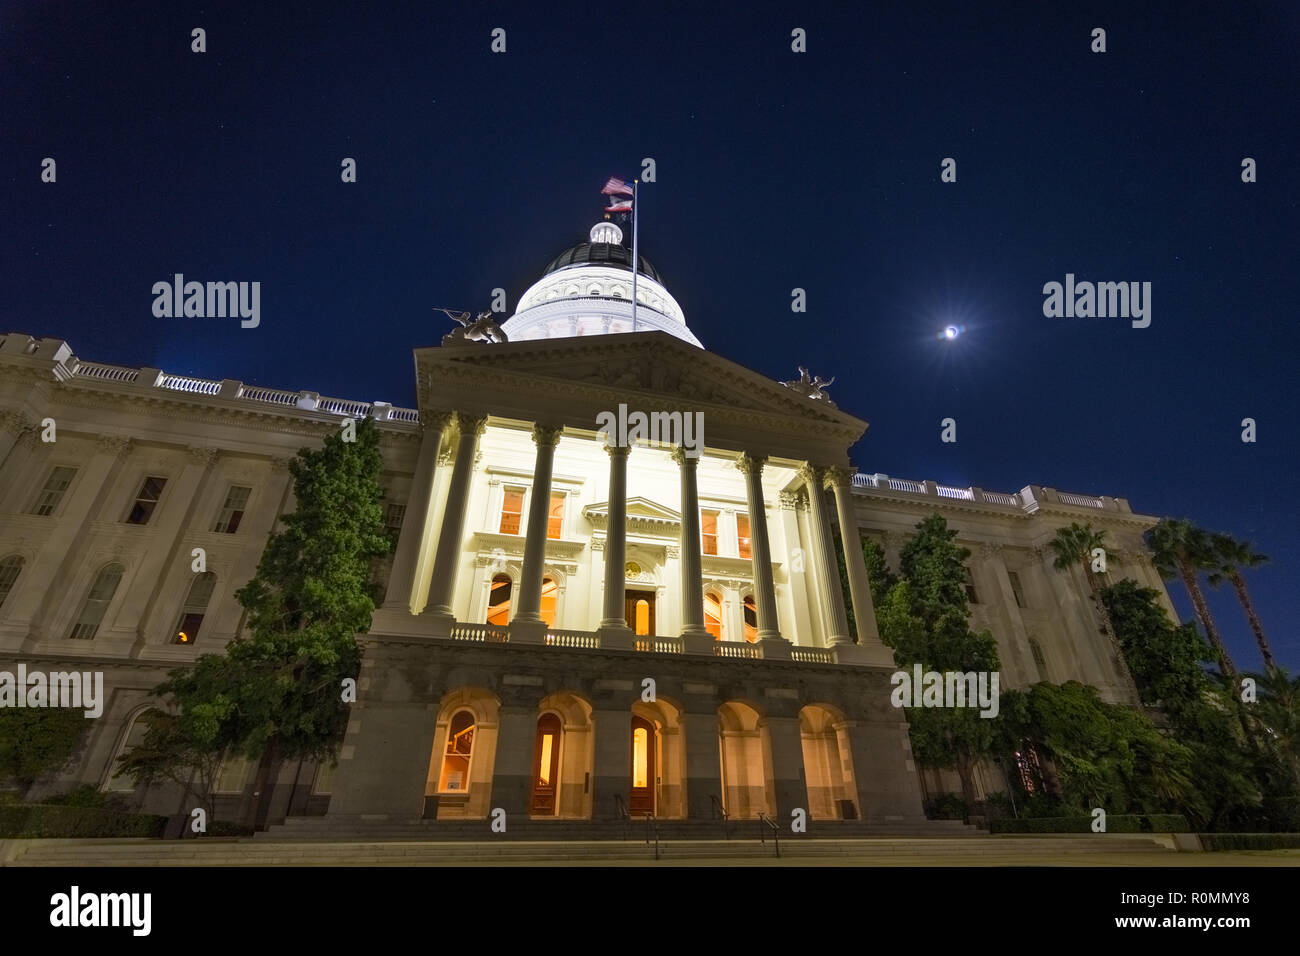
x: 647, y: 371
x: 643, y: 515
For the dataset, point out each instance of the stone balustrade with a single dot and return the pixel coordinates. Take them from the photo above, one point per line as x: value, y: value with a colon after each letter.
x: 67, y: 367
x: 1028, y: 499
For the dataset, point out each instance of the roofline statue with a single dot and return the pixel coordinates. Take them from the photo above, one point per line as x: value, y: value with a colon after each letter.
x: 811, y: 387
x: 482, y: 329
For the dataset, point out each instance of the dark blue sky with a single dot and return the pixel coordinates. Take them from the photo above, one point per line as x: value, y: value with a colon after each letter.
x: 775, y: 170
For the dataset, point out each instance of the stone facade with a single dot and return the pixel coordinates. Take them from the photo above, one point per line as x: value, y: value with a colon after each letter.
x: 539, y: 580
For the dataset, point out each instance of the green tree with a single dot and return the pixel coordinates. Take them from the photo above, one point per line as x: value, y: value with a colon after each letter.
x: 35, y: 741
x: 1105, y: 755
x: 924, y: 619
x: 1168, y: 663
x: 1182, y: 550
x: 1075, y: 546
x: 1231, y: 556
x: 276, y: 691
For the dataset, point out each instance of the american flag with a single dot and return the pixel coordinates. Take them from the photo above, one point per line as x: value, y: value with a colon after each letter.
x: 616, y: 187
x: 621, y: 205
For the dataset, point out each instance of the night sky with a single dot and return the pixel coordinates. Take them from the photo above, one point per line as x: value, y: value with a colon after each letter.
x: 776, y: 170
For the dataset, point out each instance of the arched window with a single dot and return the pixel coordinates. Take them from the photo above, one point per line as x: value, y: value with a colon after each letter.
x: 713, y: 614
x: 550, y: 592
x: 96, y: 603
x: 10, y: 568
x: 460, y: 748
x: 499, y: 600
x: 751, y: 619
x: 642, y: 612
x: 117, y: 781
x: 196, y: 607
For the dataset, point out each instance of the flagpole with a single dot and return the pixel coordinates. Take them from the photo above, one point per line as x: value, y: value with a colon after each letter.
x: 636, y: 209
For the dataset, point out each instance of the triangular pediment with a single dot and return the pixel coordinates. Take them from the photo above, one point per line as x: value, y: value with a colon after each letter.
x: 570, y: 381
x: 638, y: 508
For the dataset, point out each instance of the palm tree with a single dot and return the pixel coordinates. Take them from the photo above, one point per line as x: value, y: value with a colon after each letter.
x: 1233, y: 555
x: 1279, y: 713
x: 1182, y: 550
x: 1075, y: 545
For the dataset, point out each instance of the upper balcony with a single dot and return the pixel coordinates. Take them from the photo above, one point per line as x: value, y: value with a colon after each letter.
x: 1027, y: 500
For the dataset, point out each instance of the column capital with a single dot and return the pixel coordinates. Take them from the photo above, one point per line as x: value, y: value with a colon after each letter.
x: 751, y: 465
x: 280, y: 466
x: 616, y: 451
x: 114, y: 445
x: 471, y: 424
x: 435, y: 419
x: 814, y: 475
x: 680, y: 456
x: 791, y: 500
x: 839, y: 476
x: 990, y: 550
x: 547, y: 434
x: 14, y: 422
x: 202, y: 454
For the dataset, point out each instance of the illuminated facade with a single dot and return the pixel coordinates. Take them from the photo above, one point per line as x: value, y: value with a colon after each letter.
x: 570, y: 630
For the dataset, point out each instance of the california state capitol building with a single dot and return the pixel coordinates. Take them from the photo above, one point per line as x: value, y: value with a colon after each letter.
x: 541, y: 574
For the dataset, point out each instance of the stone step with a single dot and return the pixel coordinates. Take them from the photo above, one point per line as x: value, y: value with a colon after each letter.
x: 246, y: 852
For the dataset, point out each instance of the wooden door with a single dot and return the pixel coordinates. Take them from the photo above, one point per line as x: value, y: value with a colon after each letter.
x: 546, y: 767
x: 641, y: 793
x: 639, y: 612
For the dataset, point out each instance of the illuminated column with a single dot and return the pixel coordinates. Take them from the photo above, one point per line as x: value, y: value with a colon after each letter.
x: 442, y: 587
x: 539, y: 512
x: 769, y: 632
x: 864, y: 611
x: 831, y: 598
x: 692, y: 580
x: 614, y: 631
x: 419, y: 512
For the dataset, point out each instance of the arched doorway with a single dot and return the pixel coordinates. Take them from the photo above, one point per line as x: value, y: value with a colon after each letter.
x: 641, y: 793
x: 828, y: 764
x: 546, y: 767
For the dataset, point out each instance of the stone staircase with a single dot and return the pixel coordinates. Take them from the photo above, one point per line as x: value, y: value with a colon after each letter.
x: 338, y: 830
x: 263, y: 851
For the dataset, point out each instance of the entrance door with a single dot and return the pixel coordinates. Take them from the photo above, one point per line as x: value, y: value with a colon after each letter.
x: 546, y: 766
x: 641, y: 795
x: 639, y: 611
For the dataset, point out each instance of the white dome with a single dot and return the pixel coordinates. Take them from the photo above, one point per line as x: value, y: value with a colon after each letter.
x: 587, y: 290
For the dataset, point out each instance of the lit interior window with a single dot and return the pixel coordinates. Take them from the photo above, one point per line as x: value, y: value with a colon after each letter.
x: 544, y: 774
x: 713, y: 614
x: 550, y: 592
x: 709, y: 532
x: 640, y: 758
x: 460, y: 747
x: 512, y: 508
x: 751, y: 619
x: 499, y: 600
x: 555, y: 520
x: 642, y: 616
x: 742, y: 535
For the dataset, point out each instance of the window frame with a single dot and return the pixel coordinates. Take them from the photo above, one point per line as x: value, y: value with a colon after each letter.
x: 57, y: 505
x: 242, y: 511
x: 188, y: 610
x: 19, y: 563
x: 468, y: 758
x: 107, y: 603
x: 717, y: 532
x: 139, y: 498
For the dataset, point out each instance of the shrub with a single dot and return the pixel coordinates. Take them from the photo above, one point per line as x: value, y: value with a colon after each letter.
x: 1115, y: 823
x: 41, y: 821
x: 88, y: 797
x: 1218, y: 842
x: 947, y: 806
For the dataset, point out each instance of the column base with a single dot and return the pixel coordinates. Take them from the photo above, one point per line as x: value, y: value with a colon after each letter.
x: 437, y: 621
x: 528, y: 632
x: 615, y: 638
x: 698, y: 643
x: 400, y: 621
x: 864, y: 655
x: 776, y: 648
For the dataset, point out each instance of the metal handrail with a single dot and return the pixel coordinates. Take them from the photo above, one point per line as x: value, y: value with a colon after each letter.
x: 776, y: 832
x: 720, y: 812
x: 652, y: 829
x: 621, y: 805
